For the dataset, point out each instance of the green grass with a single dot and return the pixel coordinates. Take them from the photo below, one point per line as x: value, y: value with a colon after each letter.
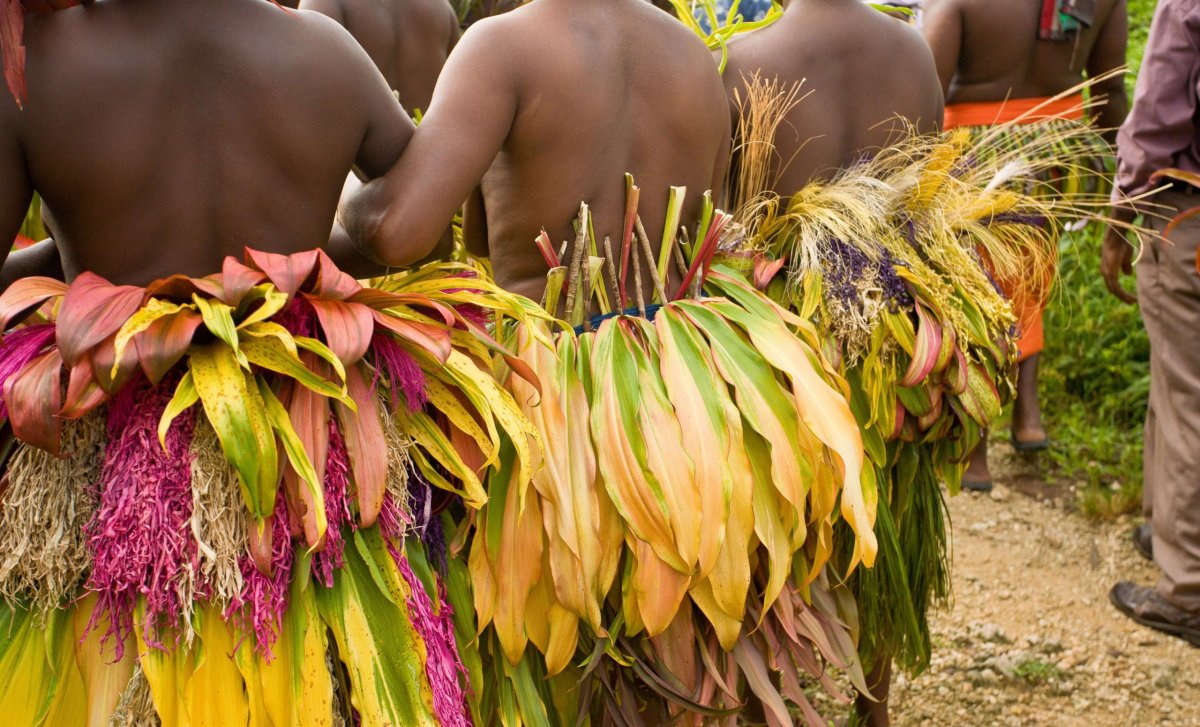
x: 1095, y: 382
x: 1036, y: 671
x: 1095, y: 371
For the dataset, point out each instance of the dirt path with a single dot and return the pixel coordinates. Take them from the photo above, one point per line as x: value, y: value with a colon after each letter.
x: 1031, y: 638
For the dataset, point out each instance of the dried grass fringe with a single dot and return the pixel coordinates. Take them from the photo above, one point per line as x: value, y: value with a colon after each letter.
x: 136, y: 708
x: 48, y: 503
x: 218, y: 519
x: 399, y: 467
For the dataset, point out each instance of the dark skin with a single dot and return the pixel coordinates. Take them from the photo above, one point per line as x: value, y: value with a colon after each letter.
x: 216, y: 125
x: 409, y: 40
x: 630, y: 90
x: 989, y: 51
x: 839, y: 50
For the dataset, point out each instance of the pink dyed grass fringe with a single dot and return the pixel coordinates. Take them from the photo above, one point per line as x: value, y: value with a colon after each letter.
x: 140, y: 537
x: 337, y: 508
x: 402, y: 371
x: 442, y: 663
x: 264, y: 599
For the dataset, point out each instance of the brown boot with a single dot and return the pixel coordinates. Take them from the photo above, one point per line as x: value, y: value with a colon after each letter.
x: 1143, y: 541
x: 1145, y: 606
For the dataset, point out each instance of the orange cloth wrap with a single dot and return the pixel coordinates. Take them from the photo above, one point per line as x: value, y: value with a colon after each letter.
x: 1013, y: 110
x: 1029, y: 309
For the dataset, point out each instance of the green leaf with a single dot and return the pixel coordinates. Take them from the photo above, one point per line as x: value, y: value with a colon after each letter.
x: 185, y: 397
x: 272, y: 354
x: 237, y: 412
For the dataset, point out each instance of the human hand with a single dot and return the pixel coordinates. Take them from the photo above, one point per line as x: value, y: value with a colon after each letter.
x: 1116, y: 257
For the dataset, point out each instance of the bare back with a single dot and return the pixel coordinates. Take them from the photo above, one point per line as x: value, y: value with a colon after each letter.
x: 990, y: 51
x: 865, y: 76
x: 163, y: 141
x: 409, y: 40
x: 550, y: 105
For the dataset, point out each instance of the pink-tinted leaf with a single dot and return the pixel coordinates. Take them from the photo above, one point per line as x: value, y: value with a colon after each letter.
x: 238, y: 280
x: 260, y: 540
x: 92, y: 311
x: 382, y: 300
x: 33, y: 398
x: 926, y: 351
x: 433, y: 339
x: 309, y: 412
x: 366, y: 445
x: 287, y: 272
x: 164, y: 342
x: 347, y: 326
x: 547, y: 249
x: 26, y: 294
x: 331, y: 282
x: 181, y: 288
x: 103, y: 357
x: 12, y: 30
x: 83, y: 391
x: 765, y: 271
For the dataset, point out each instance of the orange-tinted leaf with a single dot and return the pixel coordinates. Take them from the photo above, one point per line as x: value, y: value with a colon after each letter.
x: 33, y: 397
x: 286, y: 272
x: 93, y: 310
x: 165, y: 341
x: 26, y: 294
x: 366, y: 445
x: 348, y: 327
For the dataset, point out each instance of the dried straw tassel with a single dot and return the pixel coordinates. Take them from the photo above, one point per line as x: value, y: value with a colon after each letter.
x: 218, y: 518
x: 136, y: 708
x: 48, y: 503
x: 399, y: 467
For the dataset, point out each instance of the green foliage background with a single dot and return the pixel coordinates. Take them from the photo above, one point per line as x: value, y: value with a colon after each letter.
x: 1096, y: 370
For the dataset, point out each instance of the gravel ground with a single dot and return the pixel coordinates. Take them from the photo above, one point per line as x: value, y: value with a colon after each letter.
x: 1031, y: 638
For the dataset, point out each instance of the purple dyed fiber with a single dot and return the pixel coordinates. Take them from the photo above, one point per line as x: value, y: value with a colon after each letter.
x: 20, y: 347
x: 403, y: 373
x: 477, y: 315
x: 264, y: 599
x: 298, y: 317
x: 894, y: 289
x: 140, y: 536
x: 425, y: 523
x: 442, y: 664
x: 337, y: 508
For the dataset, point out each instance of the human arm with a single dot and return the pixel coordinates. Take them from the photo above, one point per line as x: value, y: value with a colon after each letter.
x: 399, y: 218
x: 942, y: 28
x: 1116, y: 254
x: 328, y: 8
x: 16, y: 189
x: 1109, y: 55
